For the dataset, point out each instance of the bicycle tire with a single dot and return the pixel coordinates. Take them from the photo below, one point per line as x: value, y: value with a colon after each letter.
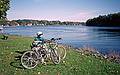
x: 62, y: 51
x: 55, y: 57
x: 29, y: 60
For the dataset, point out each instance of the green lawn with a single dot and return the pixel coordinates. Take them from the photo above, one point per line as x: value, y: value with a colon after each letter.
x: 74, y: 64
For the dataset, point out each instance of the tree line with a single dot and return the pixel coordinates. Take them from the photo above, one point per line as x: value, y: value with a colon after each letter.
x: 105, y: 20
x: 25, y: 22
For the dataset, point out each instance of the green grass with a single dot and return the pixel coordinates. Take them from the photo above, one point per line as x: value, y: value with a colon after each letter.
x: 74, y: 64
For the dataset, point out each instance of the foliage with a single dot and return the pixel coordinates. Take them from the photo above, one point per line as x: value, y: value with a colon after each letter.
x: 4, y: 22
x: 4, y: 6
x: 105, y: 20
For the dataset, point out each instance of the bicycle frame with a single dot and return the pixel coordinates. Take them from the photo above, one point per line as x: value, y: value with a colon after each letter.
x: 46, y: 47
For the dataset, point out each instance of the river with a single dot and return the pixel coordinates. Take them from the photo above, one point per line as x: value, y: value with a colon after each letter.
x: 104, y: 39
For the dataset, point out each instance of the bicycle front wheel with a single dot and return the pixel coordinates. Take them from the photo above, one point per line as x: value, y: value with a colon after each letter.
x: 55, y: 57
x: 29, y: 59
x: 62, y: 51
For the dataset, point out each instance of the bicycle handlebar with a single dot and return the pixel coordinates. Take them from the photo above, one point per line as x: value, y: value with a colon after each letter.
x: 49, y: 41
x: 53, y: 39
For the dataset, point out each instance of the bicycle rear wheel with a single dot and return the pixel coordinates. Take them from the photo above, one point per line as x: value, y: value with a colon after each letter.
x: 29, y: 59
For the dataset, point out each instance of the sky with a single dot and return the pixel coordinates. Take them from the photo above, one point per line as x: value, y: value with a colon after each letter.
x: 63, y: 10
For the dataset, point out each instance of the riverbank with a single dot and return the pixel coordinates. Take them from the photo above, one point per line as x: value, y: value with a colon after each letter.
x: 75, y: 63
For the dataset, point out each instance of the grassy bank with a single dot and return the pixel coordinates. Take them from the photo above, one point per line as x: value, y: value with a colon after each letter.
x: 75, y: 63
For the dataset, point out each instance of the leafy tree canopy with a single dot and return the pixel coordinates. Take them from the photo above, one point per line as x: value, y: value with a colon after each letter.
x: 4, y: 6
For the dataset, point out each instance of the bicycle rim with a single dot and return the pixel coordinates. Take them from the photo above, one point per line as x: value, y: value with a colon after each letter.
x: 29, y: 60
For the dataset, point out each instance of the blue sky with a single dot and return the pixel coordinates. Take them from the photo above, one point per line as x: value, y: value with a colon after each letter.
x: 63, y: 10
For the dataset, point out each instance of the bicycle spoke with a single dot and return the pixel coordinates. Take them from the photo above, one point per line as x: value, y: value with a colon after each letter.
x: 25, y: 58
x: 29, y: 60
